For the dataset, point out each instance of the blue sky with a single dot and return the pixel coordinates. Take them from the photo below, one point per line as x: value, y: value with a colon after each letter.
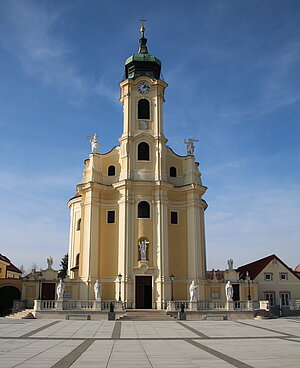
x: 234, y: 83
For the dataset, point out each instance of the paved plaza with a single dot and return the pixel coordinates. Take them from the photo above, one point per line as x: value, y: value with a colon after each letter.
x: 128, y: 344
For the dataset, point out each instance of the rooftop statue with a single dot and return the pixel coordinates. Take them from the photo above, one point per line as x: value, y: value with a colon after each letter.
x: 190, y: 145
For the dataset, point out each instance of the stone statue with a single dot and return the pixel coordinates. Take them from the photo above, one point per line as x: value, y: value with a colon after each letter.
x: 230, y: 264
x: 190, y: 145
x: 143, y: 250
x: 229, y: 291
x: 97, y: 290
x: 94, y: 142
x: 50, y: 262
x: 193, y: 292
x: 60, y: 290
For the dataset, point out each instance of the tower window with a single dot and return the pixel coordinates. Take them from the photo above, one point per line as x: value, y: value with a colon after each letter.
x: 174, y: 217
x: 78, y: 225
x: 143, y: 109
x: 110, y: 217
x: 111, y: 171
x: 173, y: 171
x: 143, y: 210
x: 143, y: 151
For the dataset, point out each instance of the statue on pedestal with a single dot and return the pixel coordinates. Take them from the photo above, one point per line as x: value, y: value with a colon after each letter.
x: 143, y: 250
x: 60, y: 290
x: 50, y: 262
x: 190, y: 145
x: 230, y: 264
x: 94, y: 142
x: 97, y: 290
x: 229, y: 291
x: 193, y: 292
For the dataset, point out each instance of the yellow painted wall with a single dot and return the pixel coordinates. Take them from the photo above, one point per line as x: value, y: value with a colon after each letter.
x: 178, y: 255
x: 108, y: 249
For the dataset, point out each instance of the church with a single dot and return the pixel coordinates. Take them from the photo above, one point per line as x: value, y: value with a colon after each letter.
x: 137, y: 220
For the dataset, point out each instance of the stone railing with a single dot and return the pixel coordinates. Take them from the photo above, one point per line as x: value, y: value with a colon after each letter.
x: 76, y: 305
x: 205, y: 305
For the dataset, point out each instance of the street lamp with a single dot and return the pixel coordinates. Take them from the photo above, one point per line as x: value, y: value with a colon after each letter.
x: 172, y: 285
x: 248, y: 281
x: 120, y: 279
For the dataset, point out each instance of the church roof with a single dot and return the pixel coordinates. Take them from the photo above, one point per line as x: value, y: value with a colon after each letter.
x: 256, y: 267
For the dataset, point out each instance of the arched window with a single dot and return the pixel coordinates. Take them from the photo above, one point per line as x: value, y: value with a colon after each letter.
x: 143, y: 210
x: 143, y: 151
x: 77, y: 259
x: 111, y: 171
x: 78, y: 225
x: 143, y: 109
x: 173, y: 171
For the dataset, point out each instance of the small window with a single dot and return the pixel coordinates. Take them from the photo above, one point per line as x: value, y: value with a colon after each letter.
x: 143, y: 109
x: 268, y: 276
x: 173, y: 171
x: 111, y: 171
x: 78, y: 225
x: 143, y: 210
x: 110, y: 217
x: 143, y: 151
x: 283, y: 276
x: 174, y: 217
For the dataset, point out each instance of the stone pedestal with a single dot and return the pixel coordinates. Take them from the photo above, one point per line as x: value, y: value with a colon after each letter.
x: 59, y: 304
x: 250, y: 305
x: 37, y: 305
x: 230, y: 306
x: 118, y: 306
x: 192, y: 306
x: 97, y: 305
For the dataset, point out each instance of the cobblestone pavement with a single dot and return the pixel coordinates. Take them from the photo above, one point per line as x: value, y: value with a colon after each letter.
x: 62, y: 344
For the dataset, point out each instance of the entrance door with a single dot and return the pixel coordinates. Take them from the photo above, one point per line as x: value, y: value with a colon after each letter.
x: 236, y: 292
x: 143, y: 292
x: 48, y: 291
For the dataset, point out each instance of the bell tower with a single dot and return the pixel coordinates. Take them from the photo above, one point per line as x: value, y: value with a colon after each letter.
x: 142, y: 96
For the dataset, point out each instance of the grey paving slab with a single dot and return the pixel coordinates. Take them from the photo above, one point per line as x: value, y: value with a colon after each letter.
x: 280, y: 325
x: 259, y: 353
x: 31, y: 353
x: 229, y: 329
x: 155, y: 330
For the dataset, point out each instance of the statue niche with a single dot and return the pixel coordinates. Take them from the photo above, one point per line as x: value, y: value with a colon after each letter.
x: 143, y: 250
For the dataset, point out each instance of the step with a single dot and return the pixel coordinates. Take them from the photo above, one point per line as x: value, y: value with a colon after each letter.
x: 146, y: 315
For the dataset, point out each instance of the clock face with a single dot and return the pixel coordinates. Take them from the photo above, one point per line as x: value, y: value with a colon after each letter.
x: 143, y: 87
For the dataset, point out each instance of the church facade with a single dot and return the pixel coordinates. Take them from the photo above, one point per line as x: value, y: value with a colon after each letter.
x: 137, y: 220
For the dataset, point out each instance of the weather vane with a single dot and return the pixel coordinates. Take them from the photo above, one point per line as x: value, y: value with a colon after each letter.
x: 143, y: 20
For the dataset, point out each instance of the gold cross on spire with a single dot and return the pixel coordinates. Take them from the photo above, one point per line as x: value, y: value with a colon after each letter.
x: 142, y: 30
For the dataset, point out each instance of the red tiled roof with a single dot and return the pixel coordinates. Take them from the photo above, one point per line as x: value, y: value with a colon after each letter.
x: 254, y: 268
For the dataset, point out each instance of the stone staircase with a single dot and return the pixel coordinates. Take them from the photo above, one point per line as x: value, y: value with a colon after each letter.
x: 24, y: 314
x: 146, y: 315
